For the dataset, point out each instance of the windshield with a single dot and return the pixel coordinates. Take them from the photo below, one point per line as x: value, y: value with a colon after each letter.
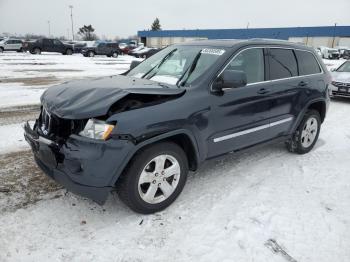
x: 344, y: 67
x: 177, y: 65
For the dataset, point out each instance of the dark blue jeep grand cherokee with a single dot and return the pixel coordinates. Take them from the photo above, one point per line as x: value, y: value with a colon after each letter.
x: 141, y: 132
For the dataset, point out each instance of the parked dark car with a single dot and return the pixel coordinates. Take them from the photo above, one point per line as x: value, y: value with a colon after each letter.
x: 48, y: 45
x: 346, y: 54
x: 145, y: 52
x: 101, y: 48
x: 141, y: 132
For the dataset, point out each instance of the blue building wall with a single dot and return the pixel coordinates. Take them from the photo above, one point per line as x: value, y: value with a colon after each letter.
x: 275, y: 33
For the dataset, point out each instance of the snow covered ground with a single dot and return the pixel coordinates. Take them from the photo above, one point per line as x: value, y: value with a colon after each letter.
x: 264, y: 204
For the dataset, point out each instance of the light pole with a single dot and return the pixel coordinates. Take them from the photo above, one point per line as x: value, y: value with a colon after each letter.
x: 71, y: 17
x: 48, y: 22
x: 335, y: 26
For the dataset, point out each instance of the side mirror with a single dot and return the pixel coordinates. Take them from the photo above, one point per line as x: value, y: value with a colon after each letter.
x: 230, y: 79
x: 134, y: 64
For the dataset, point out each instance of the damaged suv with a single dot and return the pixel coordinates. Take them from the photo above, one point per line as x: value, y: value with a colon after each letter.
x: 141, y: 132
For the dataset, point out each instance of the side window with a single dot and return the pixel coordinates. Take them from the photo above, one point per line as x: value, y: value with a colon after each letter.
x: 9, y: 42
x: 251, y: 62
x: 57, y: 42
x: 47, y: 42
x: 282, y: 63
x: 308, y: 64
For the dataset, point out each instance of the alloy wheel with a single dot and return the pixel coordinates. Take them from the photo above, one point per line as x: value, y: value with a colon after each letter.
x: 309, y: 132
x: 159, y: 179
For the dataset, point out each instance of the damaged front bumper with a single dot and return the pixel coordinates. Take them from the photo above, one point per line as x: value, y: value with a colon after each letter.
x: 82, y: 165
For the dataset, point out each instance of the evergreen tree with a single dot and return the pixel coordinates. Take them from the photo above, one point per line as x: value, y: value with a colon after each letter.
x: 156, y: 25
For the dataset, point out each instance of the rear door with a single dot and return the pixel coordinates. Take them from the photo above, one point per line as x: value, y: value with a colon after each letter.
x: 17, y: 44
x: 240, y: 116
x: 285, y: 89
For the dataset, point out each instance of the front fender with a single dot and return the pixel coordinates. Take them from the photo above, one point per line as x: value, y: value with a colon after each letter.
x: 153, y: 140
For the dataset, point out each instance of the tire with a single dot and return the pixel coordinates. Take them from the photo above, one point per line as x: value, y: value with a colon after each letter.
x: 1, y: 50
x: 20, y: 50
x: 306, y: 135
x: 91, y: 54
x: 115, y: 54
x: 37, y: 51
x: 69, y: 52
x: 133, y: 192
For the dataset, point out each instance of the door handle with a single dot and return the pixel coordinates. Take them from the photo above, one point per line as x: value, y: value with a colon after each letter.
x: 303, y: 83
x: 263, y: 91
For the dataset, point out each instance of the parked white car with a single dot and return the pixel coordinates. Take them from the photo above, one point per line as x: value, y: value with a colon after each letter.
x: 341, y: 80
x: 329, y: 53
x: 11, y: 45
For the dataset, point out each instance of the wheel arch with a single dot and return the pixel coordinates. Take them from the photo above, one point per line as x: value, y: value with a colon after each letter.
x: 182, y: 138
x: 319, y: 105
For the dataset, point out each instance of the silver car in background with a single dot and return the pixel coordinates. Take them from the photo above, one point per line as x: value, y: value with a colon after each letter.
x: 11, y: 45
x: 341, y: 80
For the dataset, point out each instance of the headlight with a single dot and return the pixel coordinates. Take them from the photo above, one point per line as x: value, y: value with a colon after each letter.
x: 97, y: 129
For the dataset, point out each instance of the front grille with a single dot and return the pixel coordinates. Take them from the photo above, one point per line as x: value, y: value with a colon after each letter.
x: 57, y: 128
x: 340, y: 84
x: 336, y: 93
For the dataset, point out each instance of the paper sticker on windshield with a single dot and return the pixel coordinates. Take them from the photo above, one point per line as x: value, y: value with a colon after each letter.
x: 212, y: 51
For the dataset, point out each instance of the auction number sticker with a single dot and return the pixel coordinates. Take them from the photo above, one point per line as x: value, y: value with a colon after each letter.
x: 213, y: 51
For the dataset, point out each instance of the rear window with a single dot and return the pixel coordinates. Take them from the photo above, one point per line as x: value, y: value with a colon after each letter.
x: 308, y: 64
x: 282, y: 63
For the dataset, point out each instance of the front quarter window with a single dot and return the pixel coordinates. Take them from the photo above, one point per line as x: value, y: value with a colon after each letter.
x: 177, y: 65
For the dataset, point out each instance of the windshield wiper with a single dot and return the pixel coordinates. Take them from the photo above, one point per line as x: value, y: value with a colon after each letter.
x: 159, y: 64
x: 189, y: 71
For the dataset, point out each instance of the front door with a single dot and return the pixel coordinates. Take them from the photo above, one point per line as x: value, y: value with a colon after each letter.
x: 240, y: 116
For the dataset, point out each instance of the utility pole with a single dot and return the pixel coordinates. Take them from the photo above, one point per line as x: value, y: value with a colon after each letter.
x: 335, y: 26
x: 48, y: 22
x: 71, y: 17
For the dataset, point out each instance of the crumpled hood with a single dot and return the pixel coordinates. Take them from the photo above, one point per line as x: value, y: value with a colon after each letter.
x: 343, y: 77
x: 88, y: 98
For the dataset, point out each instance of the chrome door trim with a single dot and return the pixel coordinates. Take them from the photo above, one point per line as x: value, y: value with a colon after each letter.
x: 251, y: 130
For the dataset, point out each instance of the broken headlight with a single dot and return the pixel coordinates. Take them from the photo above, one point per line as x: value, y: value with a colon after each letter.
x: 97, y: 129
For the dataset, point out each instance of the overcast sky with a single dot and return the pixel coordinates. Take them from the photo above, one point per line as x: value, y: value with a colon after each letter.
x: 123, y: 18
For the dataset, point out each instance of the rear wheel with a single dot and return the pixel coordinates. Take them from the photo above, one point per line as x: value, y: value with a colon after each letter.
x: 115, y: 54
x: 1, y: 49
x: 306, y: 134
x: 91, y: 54
x: 154, y: 178
x: 69, y: 52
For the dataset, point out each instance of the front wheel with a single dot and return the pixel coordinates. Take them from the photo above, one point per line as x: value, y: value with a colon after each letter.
x: 37, y: 51
x: 69, y: 52
x: 1, y: 49
x: 306, y: 135
x: 154, y: 178
x: 115, y: 54
x: 91, y: 54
